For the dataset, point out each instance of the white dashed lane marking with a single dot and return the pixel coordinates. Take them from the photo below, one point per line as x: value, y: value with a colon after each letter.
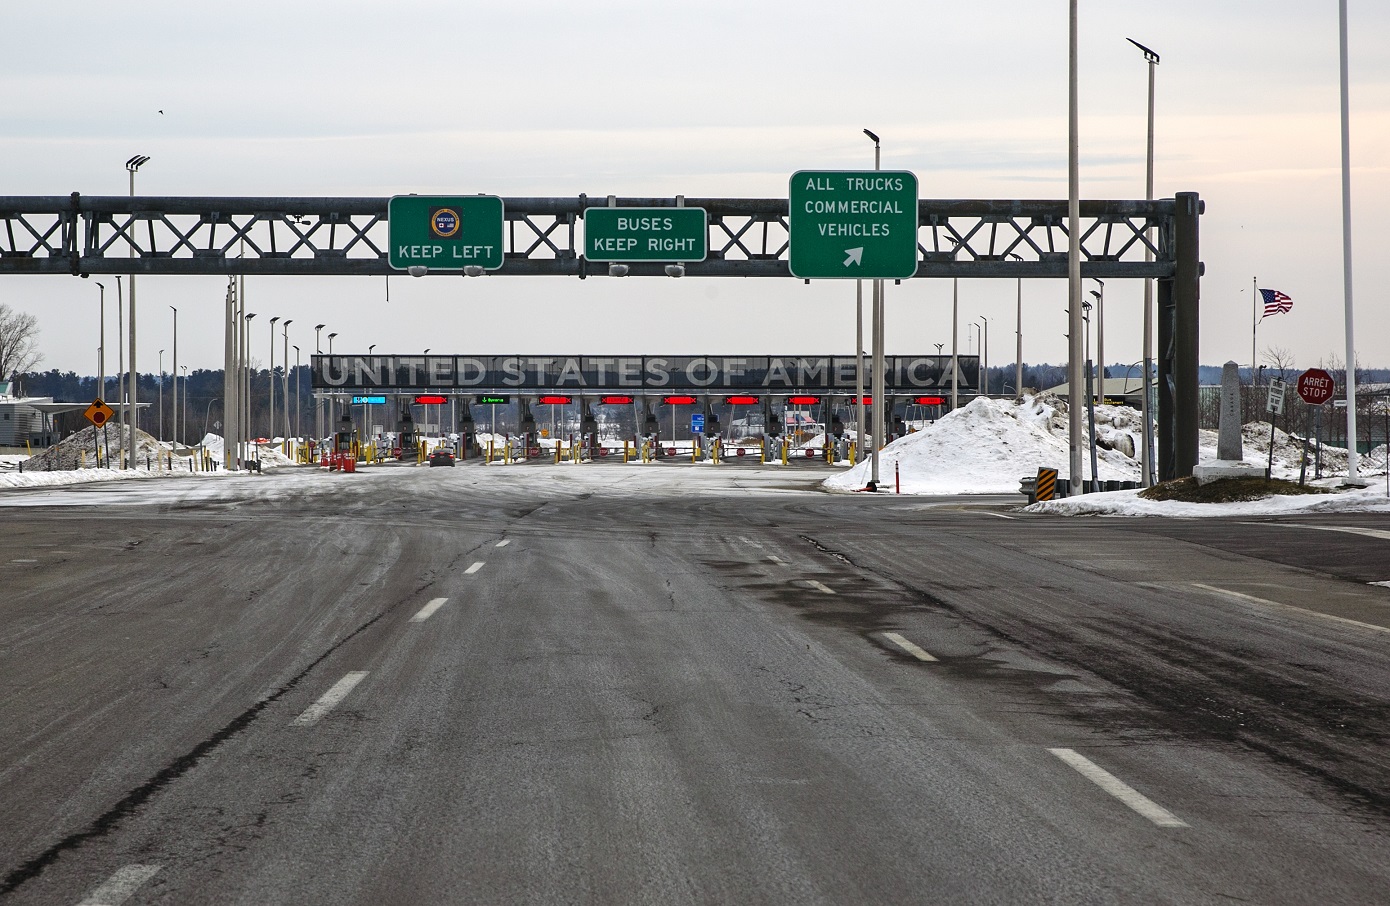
x: 907, y: 646
x: 473, y: 569
x: 1119, y: 789
x: 504, y: 542
x: 118, y: 888
x: 820, y: 587
x: 428, y: 610
x: 315, y: 712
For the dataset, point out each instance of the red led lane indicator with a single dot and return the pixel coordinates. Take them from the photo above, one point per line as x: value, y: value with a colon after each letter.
x: 803, y: 400
x: 741, y: 400
x: 929, y: 400
x: 679, y: 400
x: 854, y: 401
x: 555, y: 400
x: 616, y: 400
x: 431, y: 400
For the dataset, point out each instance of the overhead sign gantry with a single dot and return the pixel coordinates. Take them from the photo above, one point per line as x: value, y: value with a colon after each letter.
x: 747, y: 237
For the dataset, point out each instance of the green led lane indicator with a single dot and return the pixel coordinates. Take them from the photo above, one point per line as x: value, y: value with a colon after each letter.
x: 853, y: 224
x: 646, y: 234
x: 445, y: 233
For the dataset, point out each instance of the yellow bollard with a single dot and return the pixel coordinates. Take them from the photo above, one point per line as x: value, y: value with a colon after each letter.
x: 785, y: 445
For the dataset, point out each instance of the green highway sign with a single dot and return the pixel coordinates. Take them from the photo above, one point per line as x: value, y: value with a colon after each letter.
x: 645, y: 234
x: 857, y: 224
x: 445, y: 233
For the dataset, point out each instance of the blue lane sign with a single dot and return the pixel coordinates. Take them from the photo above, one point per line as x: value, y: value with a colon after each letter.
x: 370, y: 400
x: 697, y: 423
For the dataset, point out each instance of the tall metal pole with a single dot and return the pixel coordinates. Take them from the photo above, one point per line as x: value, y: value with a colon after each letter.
x: 1100, y: 341
x: 1075, y: 383
x: 984, y: 358
x: 859, y: 367
x: 955, y: 342
x: 1018, y: 337
x: 285, y: 374
x: 101, y: 348
x: 161, y: 394
x: 1148, y: 454
x: 135, y: 163
x: 176, y: 376
x: 298, y: 400
x: 246, y: 376
x: 230, y: 370
x: 120, y: 371
x: 1352, y: 456
x: 270, y: 379
x: 318, y: 410
x: 878, y: 392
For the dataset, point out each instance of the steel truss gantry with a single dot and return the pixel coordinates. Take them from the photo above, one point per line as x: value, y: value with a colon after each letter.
x: 82, y: 235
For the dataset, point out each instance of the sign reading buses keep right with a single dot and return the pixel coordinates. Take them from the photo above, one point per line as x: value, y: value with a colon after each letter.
x: 853, y: 224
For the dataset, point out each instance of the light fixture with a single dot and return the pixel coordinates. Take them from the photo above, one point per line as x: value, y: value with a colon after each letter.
x: 472, y: 270
x: 618, y: 270
x: 417, y: 270
x: 675, y: 270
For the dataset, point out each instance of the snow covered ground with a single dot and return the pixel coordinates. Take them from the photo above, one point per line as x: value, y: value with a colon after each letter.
x: 985, y: 447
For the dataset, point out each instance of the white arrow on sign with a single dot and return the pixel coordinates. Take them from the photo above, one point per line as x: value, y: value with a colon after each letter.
x: 856, y: 256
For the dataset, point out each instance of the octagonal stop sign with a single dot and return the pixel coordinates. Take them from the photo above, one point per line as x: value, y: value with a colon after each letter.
x: 1316, y: 386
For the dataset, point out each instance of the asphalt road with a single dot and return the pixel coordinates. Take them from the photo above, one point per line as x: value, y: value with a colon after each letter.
x: 680, y: 684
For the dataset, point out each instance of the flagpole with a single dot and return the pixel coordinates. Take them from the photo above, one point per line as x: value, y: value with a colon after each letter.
x: 1254, y: 325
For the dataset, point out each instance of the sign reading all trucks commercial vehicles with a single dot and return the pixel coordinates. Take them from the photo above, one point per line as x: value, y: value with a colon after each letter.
x: 445, y: 233
x: 853, y: 224
x: 645, y: 234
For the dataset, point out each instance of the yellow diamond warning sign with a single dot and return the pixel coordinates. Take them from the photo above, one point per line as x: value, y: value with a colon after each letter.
x: 98, y: 413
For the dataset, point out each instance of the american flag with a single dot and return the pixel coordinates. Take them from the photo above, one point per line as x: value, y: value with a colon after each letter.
x: 1276, y: 302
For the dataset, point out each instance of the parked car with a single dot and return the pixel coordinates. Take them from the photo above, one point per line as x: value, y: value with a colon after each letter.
x: 441, y: 457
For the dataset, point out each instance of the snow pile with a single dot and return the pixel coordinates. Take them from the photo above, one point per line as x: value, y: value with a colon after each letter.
x: 988, y: 445
x: 1373, y: 499
x: 80, y: 450
x: 1288, y: 451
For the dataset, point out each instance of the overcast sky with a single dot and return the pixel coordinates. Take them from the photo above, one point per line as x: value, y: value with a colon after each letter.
x: 706, y: 99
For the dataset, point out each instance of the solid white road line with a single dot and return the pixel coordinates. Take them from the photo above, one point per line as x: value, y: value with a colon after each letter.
x: 504, y: 542
x: 907, y: 646
x: 1276, y: 605
x: 473, y: 569
x: 120, y: 886
x: 820, y: 587
x: 1119, y: 789
x: 1349, y: 529
x: 776, y: 559
x: 315, y: 712
x: 428, y: 610
x: 1000, y: 516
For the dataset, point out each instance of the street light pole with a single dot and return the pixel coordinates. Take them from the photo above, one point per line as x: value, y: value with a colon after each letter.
x: 161, y: 394
x: 878, y: 392
x: 135, y: 163
x: 1018, y: 337
x: 955, y: 341
x: 246, y: 379
x: 298, y: 400
x: 1352, y: 455
x: 318, y: 410
x: 270, y: 379
x: 285, y: 375
x: 984, y: 357
x: 859, y: 368
x: 1148, y: 457
x: 332, y: 406
x: 183, y: 414
x: 177, y: 422
x: 1074, y: 378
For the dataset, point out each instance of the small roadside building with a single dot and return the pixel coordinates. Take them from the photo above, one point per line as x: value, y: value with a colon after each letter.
x: 1125, y: 391
x: 21, y: 421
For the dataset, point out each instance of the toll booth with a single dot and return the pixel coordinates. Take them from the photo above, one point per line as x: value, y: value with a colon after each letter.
x: 588, y: 426
x: 342, y: 438
x: 467, y: 431
x: 407, y: 444
x: 528, y: 429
